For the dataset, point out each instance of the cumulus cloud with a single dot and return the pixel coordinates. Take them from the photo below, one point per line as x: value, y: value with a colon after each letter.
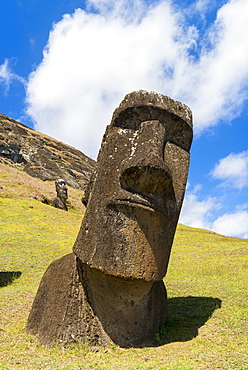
x: 224, y: 68
x: 95, y: 56
x: 91, y: 61
x: 232, y: 224
x: 197, y: 212
x: 232, y: 170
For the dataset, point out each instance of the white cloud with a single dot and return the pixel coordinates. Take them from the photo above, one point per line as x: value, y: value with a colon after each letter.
x: 232, y: 224
x: 7, y: 76
x: 203, y: 5
x: 131, y: 10
x: 196, y: 212
x: 93, y: 59
x: 90, y: 63
x: 214, y: 85
x: 199, y: 212
x: 233, y: 170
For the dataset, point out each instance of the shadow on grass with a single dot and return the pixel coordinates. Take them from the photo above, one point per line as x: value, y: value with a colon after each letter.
x: 185, y: 316
x: 6, y: 277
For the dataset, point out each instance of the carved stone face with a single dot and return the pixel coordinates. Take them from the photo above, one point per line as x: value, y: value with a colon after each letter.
x: 136, y: 192
x: 61, y: 189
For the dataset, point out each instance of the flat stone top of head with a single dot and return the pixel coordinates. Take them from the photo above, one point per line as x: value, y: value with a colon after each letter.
x: 137, y: 101
x: 60, y: 182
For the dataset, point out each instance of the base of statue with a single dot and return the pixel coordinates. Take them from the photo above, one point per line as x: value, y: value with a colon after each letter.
x: 77, y: 303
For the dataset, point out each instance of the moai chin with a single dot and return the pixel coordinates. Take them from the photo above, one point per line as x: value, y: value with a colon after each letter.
x: 110, y: 288
x: 62, y: 195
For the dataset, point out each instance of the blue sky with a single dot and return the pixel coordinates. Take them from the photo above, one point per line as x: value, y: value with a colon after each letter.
x: 66, y: 65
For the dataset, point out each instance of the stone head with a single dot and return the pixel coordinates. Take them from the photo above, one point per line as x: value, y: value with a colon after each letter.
x: 136, y: 191
x: 61, y: 189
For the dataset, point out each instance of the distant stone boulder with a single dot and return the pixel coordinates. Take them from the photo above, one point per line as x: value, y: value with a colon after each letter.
x: 42, y: 156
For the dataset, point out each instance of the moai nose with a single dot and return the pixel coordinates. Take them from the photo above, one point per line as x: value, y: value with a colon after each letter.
x: 144, y: 171
x: 147, y: 180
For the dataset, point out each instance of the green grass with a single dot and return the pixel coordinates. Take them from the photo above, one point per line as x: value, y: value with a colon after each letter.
x: 206, y: 281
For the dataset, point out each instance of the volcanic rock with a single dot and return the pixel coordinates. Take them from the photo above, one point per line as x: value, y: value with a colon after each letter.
x: 110, y: 289
x: 42, y: 156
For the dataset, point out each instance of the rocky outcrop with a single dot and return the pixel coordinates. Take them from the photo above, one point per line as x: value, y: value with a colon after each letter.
x: 42, y: 156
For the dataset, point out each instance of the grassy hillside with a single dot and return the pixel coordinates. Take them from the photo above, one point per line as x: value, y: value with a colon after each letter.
x: 17, y: 184
x: 206, y: 282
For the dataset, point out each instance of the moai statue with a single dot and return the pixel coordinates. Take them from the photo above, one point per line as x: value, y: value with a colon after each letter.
x: 62, y: 195
x: 110, y: 288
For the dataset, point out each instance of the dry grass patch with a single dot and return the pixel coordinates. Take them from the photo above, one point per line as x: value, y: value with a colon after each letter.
x: 15, y: 183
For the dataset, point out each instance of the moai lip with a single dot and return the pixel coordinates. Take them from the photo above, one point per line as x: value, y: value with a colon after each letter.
x: 110, y: 288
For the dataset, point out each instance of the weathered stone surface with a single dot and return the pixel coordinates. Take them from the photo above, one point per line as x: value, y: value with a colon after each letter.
x: 61, y: 312
x: 42, y: 156
x: 62, y: 195
x: 122, y: 250
x: 137, y: 188
x: 71, y: 305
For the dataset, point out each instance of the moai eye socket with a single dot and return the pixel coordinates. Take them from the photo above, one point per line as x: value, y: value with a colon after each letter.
x: 178, y: 160
x: 178, y: 132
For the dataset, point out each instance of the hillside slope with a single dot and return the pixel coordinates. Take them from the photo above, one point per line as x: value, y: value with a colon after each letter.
x: 17, y: 184
x: 207, y: 325
x: 42, y: 156
x: 206, y: 281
